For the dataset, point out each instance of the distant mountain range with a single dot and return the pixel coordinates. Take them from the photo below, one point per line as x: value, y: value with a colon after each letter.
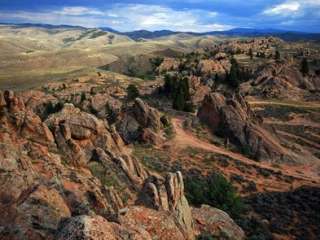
x: 240, y: 32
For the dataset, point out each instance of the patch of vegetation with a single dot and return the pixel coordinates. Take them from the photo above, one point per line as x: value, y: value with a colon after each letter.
x: 281, y: 112
x: 192, y: 152
x: 205, y: 236
x: 153, y: 159
x: 68, y: 40
x: 111, y: 37
x: 112, y: 115
x: 52, y: 108
x: 97, y: 34
x: 304, y: 67
x: 177, y: 88
x: 156, y: 62
x: 246, y: 150
x: 237, y: 75
x: 132, y: 92
x: 85, y: 34
x: 254, y: 229
x: 169, y: 132
x: 106, y: 179
x: 214, y: 190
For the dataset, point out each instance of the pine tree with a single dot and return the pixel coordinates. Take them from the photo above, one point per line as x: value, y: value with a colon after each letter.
x: 132, y: 92
x: 184, y: 84
x: 251, y: 53
x: 304, y: 67
x: 216, y: 78
x: 167, y: 87
x: 179, y: 100
x: 277, y: 57
x: 234, y: 74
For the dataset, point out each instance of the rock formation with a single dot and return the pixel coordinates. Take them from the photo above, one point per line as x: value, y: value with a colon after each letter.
x: 56, y: 177
x: 281, y: 80
x: 217, y: 223
x: 233, y: 118
x: 141, y: 123
x: 168, y: 194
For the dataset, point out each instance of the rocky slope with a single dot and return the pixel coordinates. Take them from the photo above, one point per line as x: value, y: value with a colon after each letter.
x: 234, y: 119
x: 281, y: 80
x: 71, y: 177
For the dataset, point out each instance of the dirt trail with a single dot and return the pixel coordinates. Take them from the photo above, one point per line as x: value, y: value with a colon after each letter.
x: 309, y: 105
x: 187, y: 139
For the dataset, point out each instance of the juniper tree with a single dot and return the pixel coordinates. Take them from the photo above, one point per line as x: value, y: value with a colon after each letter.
x: 132, y: 92
x: 304, y: 67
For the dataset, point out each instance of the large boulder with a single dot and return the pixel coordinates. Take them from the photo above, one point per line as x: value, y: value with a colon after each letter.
x: 216, y: 223
x: 281, y: 80
x: 233, y: 118
x: 168, y: 195
x: 159, y: 224
x: 141, y: 123
x: 97, y: 228
x: 79, y: 133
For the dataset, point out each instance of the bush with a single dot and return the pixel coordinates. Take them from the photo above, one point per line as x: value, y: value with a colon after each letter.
x: 111, y: 114
x: 214, y: 190
x: 205, y: 236
x: 52, y: 108
x: 305, y: 67
x: 132, y: 92
x: 277, y: 56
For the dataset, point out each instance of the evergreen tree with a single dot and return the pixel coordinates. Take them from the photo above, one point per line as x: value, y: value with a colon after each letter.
x: 277, y: 57
x: 167, y: 87
x: 234, y: 74
x: 111, y: 114
x: 216, y: 78
x: 132, y: 92
x: 179, y: 100
x: 304, y: 67
x: 184, y: 84
x: 251, y: 53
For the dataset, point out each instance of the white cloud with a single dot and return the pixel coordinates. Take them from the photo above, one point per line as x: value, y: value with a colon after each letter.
x: 49, y: 18
x: 154, y: 17
x: 293, y: 8
x: 283, y: 9
x: 79, y: 11
x: 125, y: 17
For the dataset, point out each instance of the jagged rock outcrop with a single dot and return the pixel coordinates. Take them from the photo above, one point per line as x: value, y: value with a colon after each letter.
x: 281, y: 80
x: 141, y: 123
x: 220, y: 66
x: 159, y: 224
x: 233, y: 118
x: 37, y: 190
x: 216, y: 223
x: 78, y: 133
x: 168, y: 194
x: 71, y: 178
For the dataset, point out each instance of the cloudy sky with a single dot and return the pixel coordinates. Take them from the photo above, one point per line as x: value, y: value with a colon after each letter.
x: 188, y: 15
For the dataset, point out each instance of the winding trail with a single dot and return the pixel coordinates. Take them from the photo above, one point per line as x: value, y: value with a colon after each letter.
x: 185, y: 139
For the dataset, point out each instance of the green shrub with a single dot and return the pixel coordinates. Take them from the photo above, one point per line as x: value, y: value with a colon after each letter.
x: 132, y: 92
x: 205, y: 236
x: 214, y: 190
x: 305, y: 67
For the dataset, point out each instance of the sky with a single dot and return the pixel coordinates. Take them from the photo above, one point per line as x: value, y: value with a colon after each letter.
x: 176, y: 15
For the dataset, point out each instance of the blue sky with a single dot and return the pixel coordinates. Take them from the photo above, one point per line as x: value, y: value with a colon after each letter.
x: 188, y: 15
